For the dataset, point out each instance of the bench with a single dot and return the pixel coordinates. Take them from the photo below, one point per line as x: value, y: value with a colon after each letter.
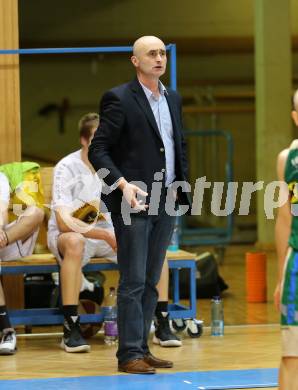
x: 46, y: 263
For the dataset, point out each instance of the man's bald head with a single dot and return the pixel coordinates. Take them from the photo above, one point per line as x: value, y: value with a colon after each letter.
x: 149, y: 59
x: 143, y: 43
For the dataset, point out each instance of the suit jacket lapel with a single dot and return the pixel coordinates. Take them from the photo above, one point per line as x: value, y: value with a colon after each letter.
x: 142, y: 100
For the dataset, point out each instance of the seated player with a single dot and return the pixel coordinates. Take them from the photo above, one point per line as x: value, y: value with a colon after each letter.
x: 73, y: 237
x: 17, y: 239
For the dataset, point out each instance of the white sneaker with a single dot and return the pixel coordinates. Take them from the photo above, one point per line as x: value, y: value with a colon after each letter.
x: 8, y: 344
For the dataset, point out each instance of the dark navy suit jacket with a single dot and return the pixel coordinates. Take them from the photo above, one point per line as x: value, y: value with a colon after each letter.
x: 128, y: 143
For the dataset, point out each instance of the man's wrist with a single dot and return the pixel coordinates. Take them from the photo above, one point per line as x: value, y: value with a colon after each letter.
x: 122, y: 183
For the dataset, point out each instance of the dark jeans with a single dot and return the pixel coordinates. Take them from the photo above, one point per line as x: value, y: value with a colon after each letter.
x: 141, y: 252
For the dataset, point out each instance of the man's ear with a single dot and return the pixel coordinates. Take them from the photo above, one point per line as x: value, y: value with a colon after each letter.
x: 134, y: 60
x: 295, y: 117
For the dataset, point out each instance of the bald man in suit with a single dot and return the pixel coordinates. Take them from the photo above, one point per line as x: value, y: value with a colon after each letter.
x: 140, y: 139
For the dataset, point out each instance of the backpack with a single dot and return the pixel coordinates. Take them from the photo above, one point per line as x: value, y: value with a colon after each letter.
x: 208, y: 281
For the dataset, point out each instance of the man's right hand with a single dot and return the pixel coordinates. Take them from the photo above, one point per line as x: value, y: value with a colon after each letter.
x: 130, y: 192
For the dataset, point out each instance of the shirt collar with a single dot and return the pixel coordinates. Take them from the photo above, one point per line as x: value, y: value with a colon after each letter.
x: 149, y: 94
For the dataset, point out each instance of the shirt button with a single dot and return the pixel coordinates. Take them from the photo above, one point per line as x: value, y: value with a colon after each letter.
x: 162, y: 149
x: 163, y: 170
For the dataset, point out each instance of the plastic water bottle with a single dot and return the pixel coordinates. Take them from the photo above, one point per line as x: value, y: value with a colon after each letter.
x: 110, y: 318
x: 174, y: 244
x: 110, y: 325
x: 217, y: 317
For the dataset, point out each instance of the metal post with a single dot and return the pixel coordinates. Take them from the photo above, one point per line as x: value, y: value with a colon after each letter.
x: 173, y: 66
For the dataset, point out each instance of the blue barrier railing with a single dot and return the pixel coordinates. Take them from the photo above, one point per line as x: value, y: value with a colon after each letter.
x: 109, y: 49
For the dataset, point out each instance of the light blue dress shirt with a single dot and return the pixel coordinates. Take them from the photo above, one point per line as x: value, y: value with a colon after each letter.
x: 160, y: 109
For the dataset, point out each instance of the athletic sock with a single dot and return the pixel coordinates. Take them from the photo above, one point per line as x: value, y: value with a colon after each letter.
x: 70, y: 313
x: 161, y: 307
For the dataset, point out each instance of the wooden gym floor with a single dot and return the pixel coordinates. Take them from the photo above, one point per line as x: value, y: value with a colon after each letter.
x: 251, y: 340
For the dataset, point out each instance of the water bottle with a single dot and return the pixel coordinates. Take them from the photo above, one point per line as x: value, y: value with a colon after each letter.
x: 110, y: 318
x: 174, y: 243
x: 110, y: 325
x: 217, y: 317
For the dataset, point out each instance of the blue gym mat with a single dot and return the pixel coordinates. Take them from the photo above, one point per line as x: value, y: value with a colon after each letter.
x: 204, y: 380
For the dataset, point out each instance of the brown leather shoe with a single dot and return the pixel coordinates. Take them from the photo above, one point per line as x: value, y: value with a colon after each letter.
x: 136, y: 366
x: 157, y: 363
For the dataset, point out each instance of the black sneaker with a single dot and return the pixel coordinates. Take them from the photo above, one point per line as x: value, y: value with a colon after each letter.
x: 163, y: 334
x: 72, y: 340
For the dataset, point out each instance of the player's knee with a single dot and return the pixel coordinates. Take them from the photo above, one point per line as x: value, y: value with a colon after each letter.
x: 74, y: 244
x: 36, y: 214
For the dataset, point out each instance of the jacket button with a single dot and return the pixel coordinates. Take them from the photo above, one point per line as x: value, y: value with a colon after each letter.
x: 162, y: 150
